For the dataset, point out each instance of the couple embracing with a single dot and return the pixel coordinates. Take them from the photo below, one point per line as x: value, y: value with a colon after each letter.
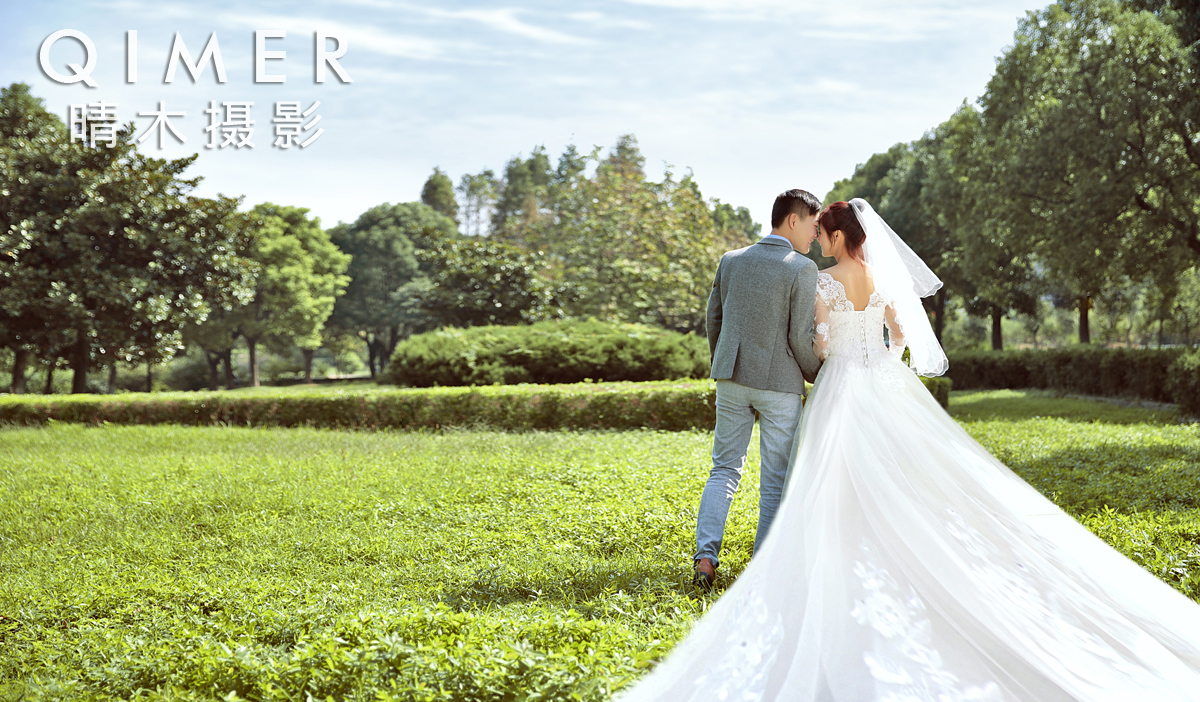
x: 896, y: 560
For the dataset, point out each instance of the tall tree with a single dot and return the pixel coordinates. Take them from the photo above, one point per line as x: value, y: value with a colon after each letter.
x: 297, y: 285
x: 107, y: 242
x: 621, y: 247
x: 25, y: 311
x: 382, y: 244
x: 987, y: 262
x: 522, y: 192
x: 322, y: 280
x: 478, y: 193
x: 1091, y: 122
x: 438, y: 194
x: 869, y: 180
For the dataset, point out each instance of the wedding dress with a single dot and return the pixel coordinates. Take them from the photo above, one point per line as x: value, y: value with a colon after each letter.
x: 907, y: 564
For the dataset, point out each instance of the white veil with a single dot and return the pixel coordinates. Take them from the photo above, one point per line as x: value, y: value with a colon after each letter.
x: 902, y: 277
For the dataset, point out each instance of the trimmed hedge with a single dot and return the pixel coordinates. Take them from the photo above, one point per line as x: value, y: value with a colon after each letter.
x: 553, y: 352
x: 669, y: 406
x: 1086, y: 370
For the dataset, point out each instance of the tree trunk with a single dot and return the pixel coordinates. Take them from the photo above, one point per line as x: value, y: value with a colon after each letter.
x: 308, y: 361
x: 50, y: 377
x: 1085, y: 336
x: 939, y: 313
x: 213, y: 360
x: 371, y: 357
x: 392, y: 342
x: 1160, y: 332
x: 997, y: 334
x: 80, y: 357
x: 112, y: 377
x: 149, y: 376
x: 20, y: 358
x: 227, y: 358
x: 252, y: 346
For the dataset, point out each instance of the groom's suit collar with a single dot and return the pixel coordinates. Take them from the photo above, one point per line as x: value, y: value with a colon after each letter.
x: 775, y: 241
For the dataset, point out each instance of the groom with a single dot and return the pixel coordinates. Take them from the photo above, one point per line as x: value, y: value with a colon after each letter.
x: 760, y: 334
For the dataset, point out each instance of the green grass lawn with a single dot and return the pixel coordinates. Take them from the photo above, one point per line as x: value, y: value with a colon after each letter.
x: 163, y: 562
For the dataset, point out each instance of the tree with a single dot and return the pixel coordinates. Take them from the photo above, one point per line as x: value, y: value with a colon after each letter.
x: 438, y: 194
x: 522, y: 192
x: 25, y: 315
x: 620, y: 247
x: 870, y: 179
x: 106, y: 245
x: 323, y: 280
x: 474, y: 282
x: 298, y: 282
x: 986, y: 263
x: 1090, y: 120
x: 735, y: 226
x: 382, y: 244
x: 478, y: 193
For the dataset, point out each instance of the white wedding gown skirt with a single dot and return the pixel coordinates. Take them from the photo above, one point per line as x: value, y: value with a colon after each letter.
x: 906, y: 563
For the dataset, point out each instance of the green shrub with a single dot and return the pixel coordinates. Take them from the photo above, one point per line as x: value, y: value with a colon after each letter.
x: 547, y: 353
x: 1184, y: 382
x: 1086, y: 370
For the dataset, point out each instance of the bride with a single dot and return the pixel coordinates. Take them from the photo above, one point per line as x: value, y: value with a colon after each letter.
x: 906, y: 563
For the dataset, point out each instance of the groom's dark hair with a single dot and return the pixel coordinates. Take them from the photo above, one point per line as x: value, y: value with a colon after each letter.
x: 796, y: 201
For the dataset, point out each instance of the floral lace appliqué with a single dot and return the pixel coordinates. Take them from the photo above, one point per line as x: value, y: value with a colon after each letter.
x: 902, y: 660
x: 834, y: 295
x: 751, y: 646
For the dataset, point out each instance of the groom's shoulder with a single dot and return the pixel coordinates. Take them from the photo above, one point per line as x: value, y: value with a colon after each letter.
x: 800, y: 262
x: 756, y: 253
x: 734, y: 253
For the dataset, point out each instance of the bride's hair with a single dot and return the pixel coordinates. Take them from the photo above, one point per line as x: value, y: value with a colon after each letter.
x: 840, y: 217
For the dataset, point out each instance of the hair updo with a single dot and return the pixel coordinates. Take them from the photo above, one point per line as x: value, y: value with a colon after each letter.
x: 840, y: 217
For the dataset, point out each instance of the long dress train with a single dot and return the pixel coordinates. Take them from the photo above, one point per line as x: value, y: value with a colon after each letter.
x: 906, y: 563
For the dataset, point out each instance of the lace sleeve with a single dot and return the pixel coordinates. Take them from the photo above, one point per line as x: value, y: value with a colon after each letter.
x: 895, y: 333
x: 821, y: 328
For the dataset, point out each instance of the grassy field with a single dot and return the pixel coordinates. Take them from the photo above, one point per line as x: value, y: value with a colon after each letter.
x: 222, y: 563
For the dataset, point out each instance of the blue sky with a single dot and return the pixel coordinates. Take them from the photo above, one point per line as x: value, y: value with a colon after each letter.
x: 754, y: 96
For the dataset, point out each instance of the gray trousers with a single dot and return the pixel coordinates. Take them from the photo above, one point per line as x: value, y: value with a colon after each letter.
x: 779, y: 416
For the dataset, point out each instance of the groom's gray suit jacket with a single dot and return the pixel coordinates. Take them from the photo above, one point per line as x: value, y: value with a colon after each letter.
x: 760, y: 318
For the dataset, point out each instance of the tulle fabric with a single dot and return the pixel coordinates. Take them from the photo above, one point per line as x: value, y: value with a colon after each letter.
x: 906, y: 563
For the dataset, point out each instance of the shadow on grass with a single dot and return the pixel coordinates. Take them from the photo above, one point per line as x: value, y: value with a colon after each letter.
x: 1018, y: 405
x: 1127, y: 478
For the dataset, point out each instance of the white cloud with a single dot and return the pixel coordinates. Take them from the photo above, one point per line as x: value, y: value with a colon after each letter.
x: 854, y: 20
x: 834, y: 86
x: 602, y: 21
x: 358, y: 36
x: 506, y: 20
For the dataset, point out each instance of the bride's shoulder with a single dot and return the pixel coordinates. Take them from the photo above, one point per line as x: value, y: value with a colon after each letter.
x: 828, y: 288
x: 825, y: 278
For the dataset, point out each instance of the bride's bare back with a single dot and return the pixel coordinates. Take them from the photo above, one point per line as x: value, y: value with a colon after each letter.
x: 856, y: 279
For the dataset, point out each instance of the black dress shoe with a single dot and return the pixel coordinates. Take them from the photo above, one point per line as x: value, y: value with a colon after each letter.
x: 702, y: 579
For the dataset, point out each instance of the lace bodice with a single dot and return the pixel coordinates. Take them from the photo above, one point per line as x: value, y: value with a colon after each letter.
x: 846, y: 332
